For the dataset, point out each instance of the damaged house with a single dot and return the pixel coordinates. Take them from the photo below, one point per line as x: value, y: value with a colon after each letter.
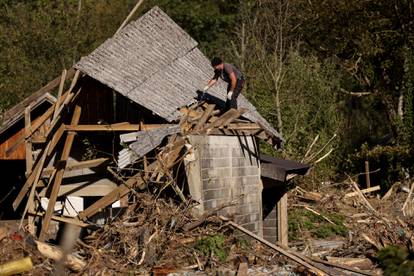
x: 133, y: 118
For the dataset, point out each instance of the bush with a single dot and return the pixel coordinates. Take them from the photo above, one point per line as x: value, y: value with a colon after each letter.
x: 213, y: 245
x: 396, y: 261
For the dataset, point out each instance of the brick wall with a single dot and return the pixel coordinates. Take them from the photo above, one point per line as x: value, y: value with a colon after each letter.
x: 225, y: 168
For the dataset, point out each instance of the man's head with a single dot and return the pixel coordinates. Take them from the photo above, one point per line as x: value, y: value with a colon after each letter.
x: 217, y: 63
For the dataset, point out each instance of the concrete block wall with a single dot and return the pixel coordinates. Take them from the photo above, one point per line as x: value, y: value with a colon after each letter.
x: 225, y: 169
x: 270, y: 231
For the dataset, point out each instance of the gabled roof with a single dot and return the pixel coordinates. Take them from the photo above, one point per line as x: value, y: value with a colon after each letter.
x: 156, y: 64
x: 14, y: 114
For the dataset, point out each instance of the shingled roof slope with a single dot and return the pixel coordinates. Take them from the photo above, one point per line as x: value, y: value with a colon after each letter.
x: 155, y: 63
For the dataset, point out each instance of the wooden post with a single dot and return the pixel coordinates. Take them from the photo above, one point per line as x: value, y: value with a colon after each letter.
x: 367, y: 178
x: 61, y: 85
x: 28, y: 141
x: 282, y: 221
x: 59, y: 175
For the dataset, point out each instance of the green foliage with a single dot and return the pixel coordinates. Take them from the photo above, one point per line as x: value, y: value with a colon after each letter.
x: 211, y: 23
x: 40, y: 38
x: 303, y: 220
x: 390, y: 160
x: 213, y: 245
x: 396, y: 261
x: 301, y: 59
x: 242, y: 242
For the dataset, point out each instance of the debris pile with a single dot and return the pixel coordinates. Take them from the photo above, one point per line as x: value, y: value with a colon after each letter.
x: 368, y: 222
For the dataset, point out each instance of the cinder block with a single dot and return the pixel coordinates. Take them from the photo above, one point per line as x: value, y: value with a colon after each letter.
x: 216, y: 153
x: 272, y: 239
x: 253, y: 227
x: 245, y: 171
x: 243, y: 162
x: 215, y: 173
x: 216, y: 194
x: 215, y: 163
x: 239, y: 152
x: 269, y: 231
x: 252, y: 180
x: 210, y: 204
x: 269, y: 222
x: 216, y: 183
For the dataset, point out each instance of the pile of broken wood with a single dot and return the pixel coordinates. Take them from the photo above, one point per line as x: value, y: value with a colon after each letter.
x: 373, y: 222
x: 200, y: 118
x: 154, y: 224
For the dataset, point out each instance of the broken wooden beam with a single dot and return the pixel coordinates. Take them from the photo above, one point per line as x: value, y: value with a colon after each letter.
x: 40, y: 121
x: 113, y: 127
x: 56, y: 254
x: 344, y: 267
x: 28, y: 142
x: 59, y: 175
x: 308, y: 264
x: 206, y: 115
x: 61, y: 219
x: 110, y: 198
x: 364, y: 191
x: 60, y: 91
x: 73, y: 166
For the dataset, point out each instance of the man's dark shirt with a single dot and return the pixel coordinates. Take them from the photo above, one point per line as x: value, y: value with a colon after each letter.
x: 225, y: 73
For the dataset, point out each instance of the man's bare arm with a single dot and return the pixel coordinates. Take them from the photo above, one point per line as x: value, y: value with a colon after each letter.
x: 233, y: 80
x: 210, y: 84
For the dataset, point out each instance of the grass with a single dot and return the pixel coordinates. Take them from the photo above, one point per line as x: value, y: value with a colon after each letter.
x: 301, y: 220
x: 213, y: 245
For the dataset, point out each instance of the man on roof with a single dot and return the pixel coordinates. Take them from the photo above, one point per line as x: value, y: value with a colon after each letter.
x: 230, y: 74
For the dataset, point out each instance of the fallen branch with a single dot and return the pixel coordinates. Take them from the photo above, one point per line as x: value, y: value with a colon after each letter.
x: 56, y: 254
x: 205, y: 215
x: 364, y: 191
x: 344, y: 267
x: 308, y: 264
x: 361, y: 195
x: 374, y: 243
x: 316, y: 213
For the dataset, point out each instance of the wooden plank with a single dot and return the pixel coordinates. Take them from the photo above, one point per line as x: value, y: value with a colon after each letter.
x: 30, y: 202
x: 344, y: 267
x: 60, y: 91
x: 114, y: 127
x: 367, y: 178
x: 39, y: 121
x: 72, y: 166
x: 28, y: 143
x: 206, y: 115
x: 66, y: 99
x: 121, y: 191
x: 62, y: 219
x: 56, y: 138
x: 244, y: 126
x: 33, y: 96
x: 101, y: 187
x: 110, y: 198
x: 272, y: 171
x: 229, y: 115
x: 38, y: 166
x: 364, y: 191
x: 282, y: 221
x: 54, y: 83
x: 307, y: 264
x: 59, y: 175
